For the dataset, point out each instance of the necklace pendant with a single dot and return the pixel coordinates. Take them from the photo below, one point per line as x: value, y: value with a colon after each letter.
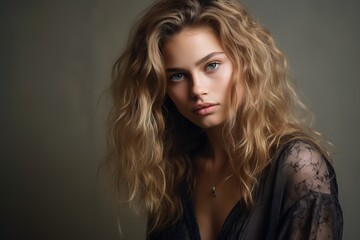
x: 213, y: 191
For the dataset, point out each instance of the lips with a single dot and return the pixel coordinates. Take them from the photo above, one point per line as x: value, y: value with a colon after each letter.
x: 205, y: 108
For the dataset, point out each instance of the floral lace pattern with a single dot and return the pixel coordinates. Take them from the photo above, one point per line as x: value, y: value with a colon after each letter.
x: 310, y: 206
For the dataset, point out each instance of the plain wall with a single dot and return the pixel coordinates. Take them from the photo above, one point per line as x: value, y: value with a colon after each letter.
x: 55, y: 62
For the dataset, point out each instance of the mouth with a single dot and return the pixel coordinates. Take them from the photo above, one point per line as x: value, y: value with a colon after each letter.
x: 205, y: 108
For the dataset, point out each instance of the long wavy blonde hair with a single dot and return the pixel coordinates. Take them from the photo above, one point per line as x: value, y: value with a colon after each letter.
x: 150, y: 143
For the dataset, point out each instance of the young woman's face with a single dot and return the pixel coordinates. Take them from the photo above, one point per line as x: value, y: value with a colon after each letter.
x: 199, y: 75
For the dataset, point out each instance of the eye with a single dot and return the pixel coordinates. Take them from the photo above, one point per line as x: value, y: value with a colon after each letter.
x: 212, y: 66
x: 177, y: 77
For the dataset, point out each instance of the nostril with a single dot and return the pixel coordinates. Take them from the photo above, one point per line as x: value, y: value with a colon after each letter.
x: 198, y: 92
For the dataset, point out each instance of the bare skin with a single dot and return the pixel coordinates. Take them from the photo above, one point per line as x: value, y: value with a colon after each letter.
x: 199, y: 75
x: 211, y: 168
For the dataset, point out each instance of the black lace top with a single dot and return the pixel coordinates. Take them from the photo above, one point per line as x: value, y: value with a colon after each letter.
x: 296, y: 199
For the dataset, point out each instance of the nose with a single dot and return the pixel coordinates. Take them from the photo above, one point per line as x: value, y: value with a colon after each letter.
x: 198, y: 88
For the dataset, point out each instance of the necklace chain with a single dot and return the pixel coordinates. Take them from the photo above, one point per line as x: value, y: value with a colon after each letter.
x: 213, y: 186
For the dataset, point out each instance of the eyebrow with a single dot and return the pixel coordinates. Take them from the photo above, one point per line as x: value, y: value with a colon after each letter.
x: 202, y: 60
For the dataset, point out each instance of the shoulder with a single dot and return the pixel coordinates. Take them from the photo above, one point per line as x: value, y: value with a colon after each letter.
x: 305, y: 168
x: 306, y: 193
x: 303, y: 171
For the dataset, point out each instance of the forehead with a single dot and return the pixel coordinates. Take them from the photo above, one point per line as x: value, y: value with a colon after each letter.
x: 190, y: 45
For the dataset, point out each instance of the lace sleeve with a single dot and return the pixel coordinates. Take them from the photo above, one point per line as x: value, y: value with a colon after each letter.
x: 310, y: 207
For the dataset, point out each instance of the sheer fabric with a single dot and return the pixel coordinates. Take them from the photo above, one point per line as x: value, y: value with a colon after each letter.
x: 297, y: 198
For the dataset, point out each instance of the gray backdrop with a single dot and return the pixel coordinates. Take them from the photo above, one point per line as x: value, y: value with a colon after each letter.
x: 55, y: 62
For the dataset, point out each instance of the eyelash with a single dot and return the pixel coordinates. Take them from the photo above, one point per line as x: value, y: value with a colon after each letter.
x: 214, y: 68
x: 172, y: 77
x: 207, y: 69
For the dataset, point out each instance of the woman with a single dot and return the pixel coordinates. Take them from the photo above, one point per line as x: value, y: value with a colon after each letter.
x: 206, y: 130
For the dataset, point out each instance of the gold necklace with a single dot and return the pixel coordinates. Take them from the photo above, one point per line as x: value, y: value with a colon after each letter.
x: 213, y: 186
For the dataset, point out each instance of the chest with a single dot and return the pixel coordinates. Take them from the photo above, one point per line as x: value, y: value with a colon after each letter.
x: 211, y: 211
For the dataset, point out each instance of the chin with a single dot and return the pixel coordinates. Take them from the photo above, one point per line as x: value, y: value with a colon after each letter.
x: 209, y: 125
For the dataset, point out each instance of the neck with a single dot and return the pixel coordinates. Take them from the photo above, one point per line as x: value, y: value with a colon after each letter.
x: 212, y: 163
x: 215, y: 149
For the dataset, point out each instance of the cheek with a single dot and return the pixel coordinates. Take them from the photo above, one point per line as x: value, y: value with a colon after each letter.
x: 236, y: 93
x: 236, y: 88
x: 226, y: 84
x: 176, y: 95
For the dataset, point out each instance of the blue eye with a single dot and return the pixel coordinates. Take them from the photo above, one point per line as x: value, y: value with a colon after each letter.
x: 177, y: 77
x: 212, y: 66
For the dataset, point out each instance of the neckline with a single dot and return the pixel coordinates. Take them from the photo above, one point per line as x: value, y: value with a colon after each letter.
x: 235, y: 211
